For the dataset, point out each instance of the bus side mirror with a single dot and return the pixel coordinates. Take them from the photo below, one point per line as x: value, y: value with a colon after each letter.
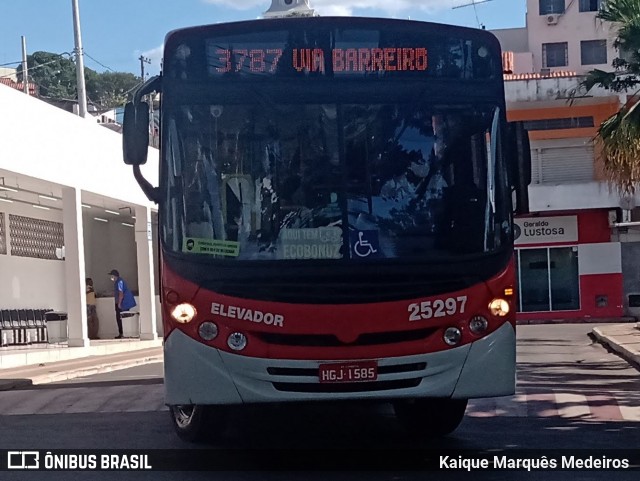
x: 520, y: 165
x: 135, y: 133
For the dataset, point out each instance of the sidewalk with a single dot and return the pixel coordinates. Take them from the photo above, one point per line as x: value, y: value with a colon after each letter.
x: 624, y: 339
x: 34, y: 354
x: 590, y: 320
x: 24, y: 376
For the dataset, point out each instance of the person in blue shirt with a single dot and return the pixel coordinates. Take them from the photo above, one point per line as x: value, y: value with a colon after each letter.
x: 123, y: 298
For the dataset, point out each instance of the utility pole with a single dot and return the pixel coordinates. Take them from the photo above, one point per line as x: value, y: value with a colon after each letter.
x: 82, y: 90
x: 143, y: 60
x: 25, y: 69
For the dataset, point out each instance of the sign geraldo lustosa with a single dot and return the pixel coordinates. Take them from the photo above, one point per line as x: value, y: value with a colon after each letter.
x: 545, y: 230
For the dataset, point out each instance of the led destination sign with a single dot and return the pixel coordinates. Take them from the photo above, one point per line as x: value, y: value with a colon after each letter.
x: 306, y: 60
x: 330, y: 49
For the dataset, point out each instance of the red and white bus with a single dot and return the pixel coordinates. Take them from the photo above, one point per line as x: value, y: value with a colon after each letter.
x: 336, y: 199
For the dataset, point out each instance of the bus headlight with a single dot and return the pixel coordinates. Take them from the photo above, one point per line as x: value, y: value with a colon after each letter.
x: 452, y: 336
x: 237, y: 341
x: 478, y: 324
x: 184, y: 313
x: 208, y: 331
x: 499, y: 307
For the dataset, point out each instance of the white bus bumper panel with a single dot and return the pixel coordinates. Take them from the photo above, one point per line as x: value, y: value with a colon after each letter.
x: 490, y: 368
x: 198, y: 374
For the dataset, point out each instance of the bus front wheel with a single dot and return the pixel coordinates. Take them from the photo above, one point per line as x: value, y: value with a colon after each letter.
x: 430, y: 417
x: 197, y: 423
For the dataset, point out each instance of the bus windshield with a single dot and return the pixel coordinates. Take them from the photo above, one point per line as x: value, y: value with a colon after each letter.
x: 343, y: 182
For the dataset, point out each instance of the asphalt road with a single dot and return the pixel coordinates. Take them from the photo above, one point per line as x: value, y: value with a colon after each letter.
x: 572, y: 394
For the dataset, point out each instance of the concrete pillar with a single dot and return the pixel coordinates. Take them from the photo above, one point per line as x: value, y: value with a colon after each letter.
x: 146, y: 282
x: 74, y: 267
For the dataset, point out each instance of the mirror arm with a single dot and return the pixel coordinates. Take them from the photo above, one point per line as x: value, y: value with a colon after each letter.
x: 152, y: 193
x: 154, y: 84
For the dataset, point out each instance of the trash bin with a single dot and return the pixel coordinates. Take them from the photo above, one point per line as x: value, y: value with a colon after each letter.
x: 130, y: 324
x: 56, y: 327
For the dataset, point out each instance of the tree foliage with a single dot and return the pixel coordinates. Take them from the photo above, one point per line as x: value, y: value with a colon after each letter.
x: 113, y: 88
x: 619, y: 136
x: 619, y: 139
x: 55, y: 76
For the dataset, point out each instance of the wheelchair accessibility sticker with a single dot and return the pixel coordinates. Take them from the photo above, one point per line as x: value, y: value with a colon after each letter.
x: 365, y: 244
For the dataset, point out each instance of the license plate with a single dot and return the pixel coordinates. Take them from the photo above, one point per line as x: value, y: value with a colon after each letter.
x: 359, y: 371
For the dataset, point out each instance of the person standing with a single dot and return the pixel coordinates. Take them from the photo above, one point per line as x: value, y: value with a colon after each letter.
x: 123, y: 298
x: 93, y: 323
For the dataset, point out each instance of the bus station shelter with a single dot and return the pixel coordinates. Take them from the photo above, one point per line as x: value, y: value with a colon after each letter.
x: 70, y: 210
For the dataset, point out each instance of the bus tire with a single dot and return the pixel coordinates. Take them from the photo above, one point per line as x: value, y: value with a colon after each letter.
x: 430, y: 417
x: 197, y: 423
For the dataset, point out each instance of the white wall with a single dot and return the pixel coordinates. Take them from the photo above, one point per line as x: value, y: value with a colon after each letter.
x: 45, y: 142
x: 538, y: 90
x: 29, y: 283
x: 10, y: 73
x: 108, y: 328
x: 603, y: 258
x: 627, y: 235
x: 513, y: 39
x: 522, y: 63
x: 578, y: 196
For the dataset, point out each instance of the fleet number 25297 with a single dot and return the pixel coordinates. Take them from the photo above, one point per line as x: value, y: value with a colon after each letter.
x: 437, y: 308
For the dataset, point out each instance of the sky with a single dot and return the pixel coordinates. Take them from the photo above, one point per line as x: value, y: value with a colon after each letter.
x: 116, y: 32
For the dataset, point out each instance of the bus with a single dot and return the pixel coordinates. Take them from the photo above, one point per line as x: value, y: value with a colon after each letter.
x: 336, y: 203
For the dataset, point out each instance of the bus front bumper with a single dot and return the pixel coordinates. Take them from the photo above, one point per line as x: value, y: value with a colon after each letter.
x: 198, y: 374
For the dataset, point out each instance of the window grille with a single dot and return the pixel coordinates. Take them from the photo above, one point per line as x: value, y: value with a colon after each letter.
x: 555, y: 54
x: 593, y: 52
x: 35, y: 238
x: 551, y: 6
x: 560, y: 124
x: 589, y: 5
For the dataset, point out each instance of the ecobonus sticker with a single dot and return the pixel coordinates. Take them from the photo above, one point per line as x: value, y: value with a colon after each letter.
x: 211, y: 246
x: 319, y: 243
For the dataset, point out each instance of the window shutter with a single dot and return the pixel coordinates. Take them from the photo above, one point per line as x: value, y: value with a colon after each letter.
x: 564, y: 165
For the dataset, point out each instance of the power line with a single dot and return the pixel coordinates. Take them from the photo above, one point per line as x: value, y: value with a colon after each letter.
x: 39, y: 65
x: 10, y: 63
x: 474, y: 4
x: 98, y: 62
x: 133, y: 88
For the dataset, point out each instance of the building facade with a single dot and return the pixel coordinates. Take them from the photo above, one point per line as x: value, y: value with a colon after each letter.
x: 561, y: 35
x: 577, y: 253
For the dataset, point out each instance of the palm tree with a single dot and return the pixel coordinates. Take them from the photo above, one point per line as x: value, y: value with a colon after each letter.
x: 619, y: 136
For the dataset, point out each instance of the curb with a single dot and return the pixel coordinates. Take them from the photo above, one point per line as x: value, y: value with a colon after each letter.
x: 632, y: 357
x: 7, y: 385
x: 620, y: 320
